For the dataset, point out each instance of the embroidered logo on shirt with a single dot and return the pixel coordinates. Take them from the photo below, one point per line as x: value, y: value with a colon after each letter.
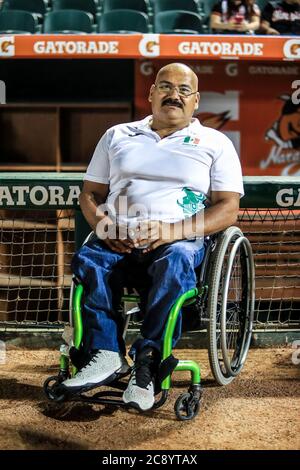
x: 193, y: 141
x: 191, y: 202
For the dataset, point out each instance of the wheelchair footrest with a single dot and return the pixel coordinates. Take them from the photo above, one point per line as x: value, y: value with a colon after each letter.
x: 105, y: 397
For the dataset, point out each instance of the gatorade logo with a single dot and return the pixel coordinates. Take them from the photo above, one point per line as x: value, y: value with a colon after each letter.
x: 7, y: 46
x: 291, y: 49
x: 39, y: 196
x: 149, y: 45
x: 287, y: 197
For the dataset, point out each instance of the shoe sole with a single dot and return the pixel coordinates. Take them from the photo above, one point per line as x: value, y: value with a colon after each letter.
x: 89, y: 386
x: 133, y: 404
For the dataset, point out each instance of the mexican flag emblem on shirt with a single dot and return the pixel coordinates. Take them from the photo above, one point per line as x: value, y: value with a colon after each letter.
x: 191, y: 140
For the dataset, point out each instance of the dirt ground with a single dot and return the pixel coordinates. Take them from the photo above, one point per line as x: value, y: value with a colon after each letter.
x: 259, y: 410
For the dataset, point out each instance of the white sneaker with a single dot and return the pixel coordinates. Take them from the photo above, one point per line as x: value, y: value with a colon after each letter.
x: 140, y: 391
x: 102, y: 368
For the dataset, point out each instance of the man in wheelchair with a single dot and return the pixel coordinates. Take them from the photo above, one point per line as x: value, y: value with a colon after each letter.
x: 184, y: 182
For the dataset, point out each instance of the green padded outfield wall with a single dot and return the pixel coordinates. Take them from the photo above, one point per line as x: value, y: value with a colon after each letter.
x: 51, y: 191
x: 61, y: 190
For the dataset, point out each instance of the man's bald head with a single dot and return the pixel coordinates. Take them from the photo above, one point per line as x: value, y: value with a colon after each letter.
x: 174, y: 97
x: 177, y: 67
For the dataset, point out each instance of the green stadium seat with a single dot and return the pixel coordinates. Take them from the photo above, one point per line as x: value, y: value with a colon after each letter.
x: 68, y: 22
x: 186, y: 5
x: 138, y: 5
x: 91, y: 6
x: 17, y: 22
x: 178, y: 22
x: 38, y: 7
x: 123, y: 21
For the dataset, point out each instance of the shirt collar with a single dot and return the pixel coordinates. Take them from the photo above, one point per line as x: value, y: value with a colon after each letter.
x: 192, y: 129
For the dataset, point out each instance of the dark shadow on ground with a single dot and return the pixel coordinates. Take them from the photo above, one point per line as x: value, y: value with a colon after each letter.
x: 70, y: 411
x: 12, y: 389
x: 40, y: 440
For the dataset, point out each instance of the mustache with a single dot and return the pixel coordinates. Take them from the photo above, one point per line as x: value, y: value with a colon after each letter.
x: 169, y: 101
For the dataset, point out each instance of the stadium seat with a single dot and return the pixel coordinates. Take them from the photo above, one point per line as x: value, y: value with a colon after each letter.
x: 17, y: 22
x: 138, y: 5
x: 91, y: 6
x: 177, y: 22
x: 123, y: 22
x: 165, y: 5
x: 68, y: 22
x: 38, y: 7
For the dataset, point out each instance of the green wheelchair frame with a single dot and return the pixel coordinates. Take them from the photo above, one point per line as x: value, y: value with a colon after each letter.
x: 224, y: 363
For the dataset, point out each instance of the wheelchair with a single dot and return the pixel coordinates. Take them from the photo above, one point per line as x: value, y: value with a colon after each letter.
x: 223, y: 299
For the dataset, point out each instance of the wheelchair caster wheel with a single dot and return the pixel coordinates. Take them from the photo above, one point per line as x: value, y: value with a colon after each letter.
x: 53, y: 390
x: 187, y: 406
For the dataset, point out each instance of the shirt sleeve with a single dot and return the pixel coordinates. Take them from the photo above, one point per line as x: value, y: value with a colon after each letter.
x: 226, y: 172
x: 98, y: 170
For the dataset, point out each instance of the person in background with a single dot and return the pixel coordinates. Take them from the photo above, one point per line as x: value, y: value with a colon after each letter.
x: 281, y: 18
x: 235, y: 17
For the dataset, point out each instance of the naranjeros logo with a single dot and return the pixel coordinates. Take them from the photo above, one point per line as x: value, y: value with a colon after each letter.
x: 191, y: 202
x: 284, y: 134
x: 39, y: 196
x: 7, y: 46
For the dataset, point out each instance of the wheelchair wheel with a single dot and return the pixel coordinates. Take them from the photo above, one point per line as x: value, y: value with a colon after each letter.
x: 53, y: 390
x: 230, y: 305
x: 186, y: 407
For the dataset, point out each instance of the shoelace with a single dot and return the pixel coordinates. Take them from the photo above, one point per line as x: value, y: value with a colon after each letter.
x: 142, y: 375
x: 92, y: 359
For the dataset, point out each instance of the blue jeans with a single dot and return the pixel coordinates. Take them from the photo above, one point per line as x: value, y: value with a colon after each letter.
x: 170, y: 271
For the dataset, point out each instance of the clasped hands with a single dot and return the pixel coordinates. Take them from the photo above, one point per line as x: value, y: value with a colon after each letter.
x: 146, y: 235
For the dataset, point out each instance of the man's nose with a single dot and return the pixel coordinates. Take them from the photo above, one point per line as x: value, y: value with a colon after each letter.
x: 176, y: 91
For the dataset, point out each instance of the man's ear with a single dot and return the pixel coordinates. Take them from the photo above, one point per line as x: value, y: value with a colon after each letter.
x: 150, y: 93
x: 197, y: 101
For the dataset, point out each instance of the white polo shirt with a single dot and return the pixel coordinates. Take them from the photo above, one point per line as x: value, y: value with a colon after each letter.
x: 163, y: 179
